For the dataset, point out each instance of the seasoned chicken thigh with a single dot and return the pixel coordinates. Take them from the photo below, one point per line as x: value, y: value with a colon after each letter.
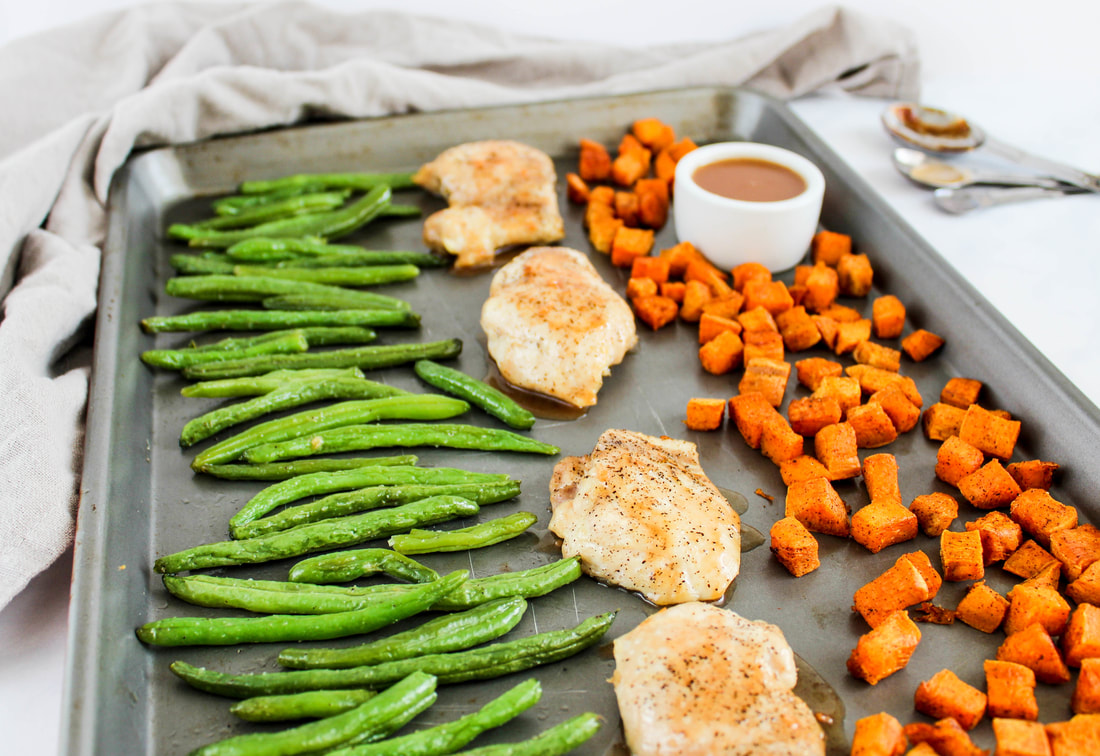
x: 500, y: 193
x: 641, y: 514
x: 554, y: 326
x: 696, y: 680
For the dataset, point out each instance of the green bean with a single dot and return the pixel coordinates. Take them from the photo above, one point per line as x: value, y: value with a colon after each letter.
x: 330, y: 534
x: 328, y: 224
x: 559, y: 739
x: 280, y: 597
x: 482, y: 663
x: 178, y: 359
x: 233, y: 204
x: 226, y: 288
x: 400, y: 211
x: 531, y: 583
x: 294, y: 252
x: 358, y: 437
x: 278, y: 628
x: 316, y: 484
x: 258, y: 385
x: 367, y: 258
x: 292, y: 395
x: 365, y: 358
x: 375, y: 497
x: 355, y: 181
x: 313, y: 704
x: 478, y: 393
x: 450, y: 632
x: 474, y: 537
x: 329, y: 302
x: 450, y: 736
x: 416, y: 406
x: 284, y: 470
x: 202, y: 264
x: 374, y: 719
x: 270, y: 320
x: 274, y: 211
x: 344, y: 566
x: 368, y: 275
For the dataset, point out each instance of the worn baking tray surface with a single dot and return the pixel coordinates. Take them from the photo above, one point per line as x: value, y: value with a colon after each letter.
x: 140, y: 499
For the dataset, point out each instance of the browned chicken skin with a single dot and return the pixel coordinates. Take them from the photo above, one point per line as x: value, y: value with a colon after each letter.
x: 501, y: 193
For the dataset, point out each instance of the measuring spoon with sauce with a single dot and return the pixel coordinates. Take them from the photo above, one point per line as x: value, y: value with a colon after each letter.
x: 927, y: 171
x: 940, y: 131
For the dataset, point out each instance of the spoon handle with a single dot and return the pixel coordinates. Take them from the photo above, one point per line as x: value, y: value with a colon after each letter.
x: 964, y: 200
x: 1052, y: 168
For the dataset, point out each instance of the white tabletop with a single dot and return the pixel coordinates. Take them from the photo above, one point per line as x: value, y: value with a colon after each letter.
x: 1036, y: 262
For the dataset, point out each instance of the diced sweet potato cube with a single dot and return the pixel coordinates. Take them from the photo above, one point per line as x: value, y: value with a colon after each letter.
x: 850, y: 335
x: 885, y: 649
x: 921, y: 561
x: 681, y: 148
x: 626, y: 208
x: 841, y: 388
x: 595, y: 161
x: 1033, y: 473
x: 935, y: 512
x: 602, y: 232
x: 829, y: 246
x: 778, y: 442
x: 629, y: 244
x: 855, y: 275
x: 705, y: 414
x: 652, y: 202
x: 898, y: 407
x: 1029, y: 604
x: 630, y: 166
x: 810, y: 414
x: 1034, y: 648
x: 653, y: 267
x: 1086, y: 694
x: 946, y: 738
x: 679, y: 256
x: 982, y: 608
x: 768, y: 377
x: 841, y: 313
x: 750, y: 271
x: 655, y: 311
x: 576, y: 190
x: 1082, y: 635
x: 945, y: 695
x: 989, y: 487
x: 750, y: 411
x: 769, y: 295
x: 664, y: 168
x: 757, y: 319
x: 674, y: 290
x: 835, y: 445
x: 1076, y: 548
x: 883, y: 523
x: 941, y: 421
x: 961, y: 555
x: 654, y: 133
x: 877, y: 355
x: 812, y: 369
x: 961, y: 392
x: 899, y: 587
x: 878, y: 735
x: 880, y: 476
x: 872, y: 425
x: 702, y: 270
x: 798, y: 293
x: 817, y: 505
x: 801, y: 468
x: 794, y: 546
x: 797, y: 328
x: 956, y: 459
x: 630, y: 143
x: 727, y: 306
x: 696, y: 294
x: 1086, y: 589
x: 1010, y: 690
x: 994, y: 435
x: 822, y: 288
x: 1000, y: 535
x: 712, y: 325
x: 766, y: 345
x: 1029, y: 560
x: 1077, y: 737
x: 1041, y: 515
x: 1019, y: 737
x: 828, y: 328
x: 721, y: 354
x: 887, y: 316
x: 641, y: 287
x: 921, y: 344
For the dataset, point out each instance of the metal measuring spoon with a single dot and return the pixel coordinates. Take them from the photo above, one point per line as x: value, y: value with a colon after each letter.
x: 965, y: 199
x: 940, y: 131
x: 925, y: 170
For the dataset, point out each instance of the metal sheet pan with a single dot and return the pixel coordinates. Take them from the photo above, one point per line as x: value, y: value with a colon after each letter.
x: 140, y: 499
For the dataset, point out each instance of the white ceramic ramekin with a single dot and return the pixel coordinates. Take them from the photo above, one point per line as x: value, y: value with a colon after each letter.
x: 730, y: 232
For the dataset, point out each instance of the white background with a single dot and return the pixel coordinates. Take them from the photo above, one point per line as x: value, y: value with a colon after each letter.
x: 1026, y: 71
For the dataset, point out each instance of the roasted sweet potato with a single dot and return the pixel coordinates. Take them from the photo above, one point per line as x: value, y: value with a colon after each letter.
x: 576, y: 190
x: 829, y: 246
x: 878, y: 735
x: 941, y: 421
x: 835, y: 446
x: 822, y: 288
x: 1077, y: 737
x: 989, y: 487
x: 1034, y: 648
x: 801, y: 468
x: 935, y: 512
x: 679, y: 256
x: 705, y: 414
x: 696, y: 295
x: 855, y: 275
x: 1082, y: 635
x: 700, y: 269
x: 797, y: 328
x: 768, y: 377
x: 961, y: 555
x: 812, y: 369
x: 1076, y: 548
x: 641, y: 287
x: 1041, y: 515
x: 629, y: 244
x: 1019, y: 737
x: 721, y: 354
x: 921, y: 344
x: 993, y: 434
x: 899, y: 587
x: 794, y: 546
x: 602, y: 230
x: 810, y: 414
x: 727, y: 306
x: 956, y: 459
x: 778, y: 442
x: 654, y: 133
x: 883, y: 523
x: 851, y: 334
x: 653, y: 267
x: 750, y: 271
x: 817, y: 505
x: 961, y: 392
x: 897, y: 406
x: 945, y: 695
x: 880, y: 476
x: 654, y: 310
x: 872, y: 425
x: 766, y: 345
x: 877, y: 355
x: 653, y: 202
x: 712, y: 325
x: 595, y: 161
x: 885, y: 649
x: 1087, y: 587
x: 1010, y: 690
x: 1033, y: 473
x: 1086, y: 694
x: 1029, y: 560
x: 1000, y: 536
x: 887, y: 317
x: 1043, y: 605
x: 749, y: 411
x: 982, y: 608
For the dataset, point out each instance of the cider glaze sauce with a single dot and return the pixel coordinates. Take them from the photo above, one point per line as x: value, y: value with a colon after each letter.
x: 749, y: 180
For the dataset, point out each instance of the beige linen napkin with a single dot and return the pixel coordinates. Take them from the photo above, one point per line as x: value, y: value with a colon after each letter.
x: 78, y: 99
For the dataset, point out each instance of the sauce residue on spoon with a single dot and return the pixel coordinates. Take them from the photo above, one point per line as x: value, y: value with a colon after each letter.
x: 936, y: 172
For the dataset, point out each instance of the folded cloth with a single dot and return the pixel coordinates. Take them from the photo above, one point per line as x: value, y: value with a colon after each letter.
x: 79, y: 99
